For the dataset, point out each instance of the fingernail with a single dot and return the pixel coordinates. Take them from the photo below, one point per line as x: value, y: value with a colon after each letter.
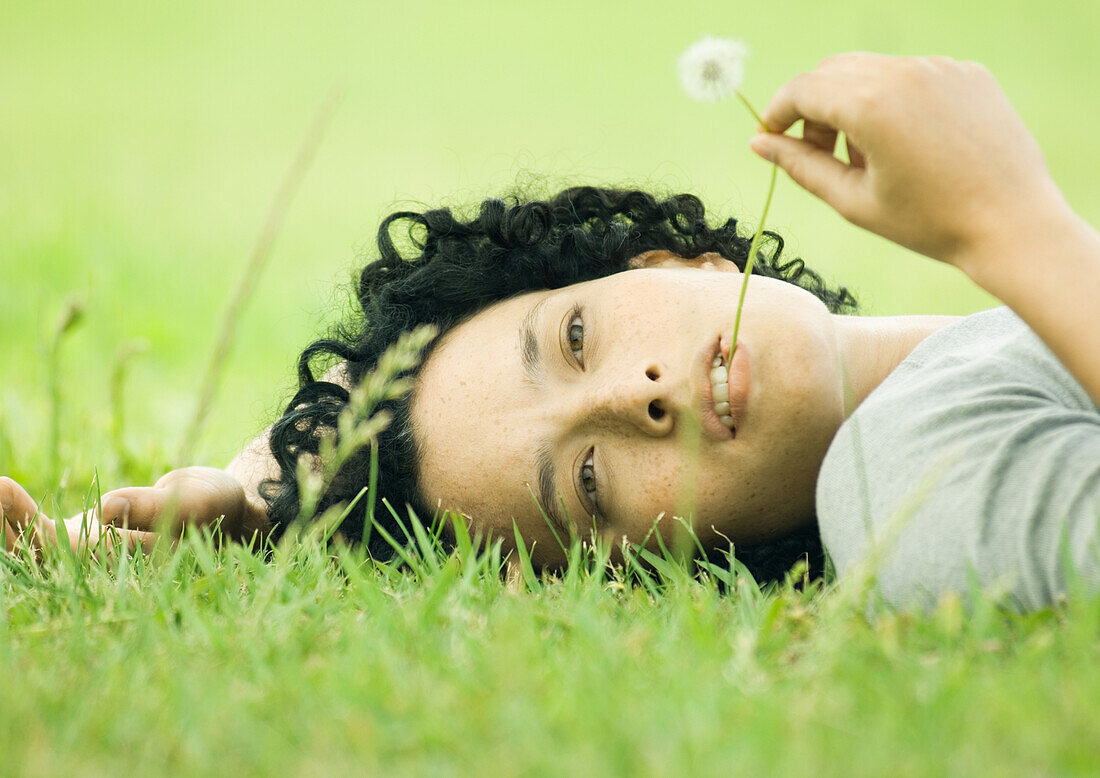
x: 115, y: 508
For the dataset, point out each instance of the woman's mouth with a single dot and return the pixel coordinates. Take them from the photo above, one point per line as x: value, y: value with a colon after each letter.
x: 730, y: 384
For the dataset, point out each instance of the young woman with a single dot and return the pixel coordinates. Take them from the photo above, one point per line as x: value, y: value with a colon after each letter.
x: 578, y: 383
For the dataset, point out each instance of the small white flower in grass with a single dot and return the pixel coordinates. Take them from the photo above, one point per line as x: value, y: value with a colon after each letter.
x: 713, y: 68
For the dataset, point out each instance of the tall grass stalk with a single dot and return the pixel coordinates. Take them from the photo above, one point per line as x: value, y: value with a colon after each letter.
x: 358, y: 425
x: 6, y: 449
x: 71, y: 316
x: 258, y: 259
x: 119, y: 372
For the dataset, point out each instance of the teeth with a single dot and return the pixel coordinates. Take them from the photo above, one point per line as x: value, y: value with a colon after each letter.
x: 720, y: 389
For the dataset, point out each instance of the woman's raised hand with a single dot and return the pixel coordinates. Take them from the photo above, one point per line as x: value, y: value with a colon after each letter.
x: 940, y: 161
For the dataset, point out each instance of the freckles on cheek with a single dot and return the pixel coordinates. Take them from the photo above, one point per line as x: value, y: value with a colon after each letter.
x: 653, y: 485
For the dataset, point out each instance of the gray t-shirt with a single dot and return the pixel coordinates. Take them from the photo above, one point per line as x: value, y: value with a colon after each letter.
x: 977, y: 461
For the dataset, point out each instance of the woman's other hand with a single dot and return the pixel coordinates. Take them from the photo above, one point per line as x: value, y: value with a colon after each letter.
x: 21, y: 517
x: 195, y: 496
x: 940, y: 161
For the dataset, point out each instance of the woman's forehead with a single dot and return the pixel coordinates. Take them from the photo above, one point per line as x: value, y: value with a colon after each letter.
x: 479, y: 346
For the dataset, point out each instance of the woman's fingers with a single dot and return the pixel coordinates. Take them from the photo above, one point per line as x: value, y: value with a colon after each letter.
x: 821, y: 135
x: 939, y: 160
x: 10, y: 538
x: 153, y: 508
x: 8, y: 512
x: 22, y: 519
x: 109, y: 538
x: 821, y: 95
x: 190, y: 495
x: 133, y: 516
x: 85, y: 531
x: 814, y: 169
x: 855, y: 156
x: 19, y: 512
x: 17, y: 506
x: 139, y: 507
x: 825, y: 138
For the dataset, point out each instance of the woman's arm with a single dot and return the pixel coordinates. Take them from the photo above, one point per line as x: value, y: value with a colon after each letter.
x: 941, y: 163
x: 1053, y: 283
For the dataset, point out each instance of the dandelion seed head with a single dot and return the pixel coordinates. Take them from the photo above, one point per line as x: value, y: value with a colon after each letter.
x: 712, y: 69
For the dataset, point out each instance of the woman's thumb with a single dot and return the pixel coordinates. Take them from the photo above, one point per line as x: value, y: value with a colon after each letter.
x: 815, y: 170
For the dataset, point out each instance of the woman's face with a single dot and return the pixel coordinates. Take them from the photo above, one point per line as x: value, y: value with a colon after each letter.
x: 592, y: 407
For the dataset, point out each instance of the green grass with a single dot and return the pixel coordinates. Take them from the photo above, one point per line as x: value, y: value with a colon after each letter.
x: 217, y: 661
x: 142, y: 144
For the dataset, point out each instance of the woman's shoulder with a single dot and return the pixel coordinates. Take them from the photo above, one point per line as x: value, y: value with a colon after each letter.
x: 949, y: 462
x: 984, y: 356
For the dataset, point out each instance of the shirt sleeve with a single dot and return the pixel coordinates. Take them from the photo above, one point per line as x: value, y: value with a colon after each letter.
x: 989, y: 478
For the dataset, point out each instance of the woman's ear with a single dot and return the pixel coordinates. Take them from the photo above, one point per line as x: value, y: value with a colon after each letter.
x: 666, y: 259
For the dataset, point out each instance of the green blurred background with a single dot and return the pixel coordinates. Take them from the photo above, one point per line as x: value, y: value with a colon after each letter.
x: 140, y: 145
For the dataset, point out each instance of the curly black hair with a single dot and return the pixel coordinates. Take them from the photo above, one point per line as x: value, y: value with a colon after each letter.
x: 512, y: 246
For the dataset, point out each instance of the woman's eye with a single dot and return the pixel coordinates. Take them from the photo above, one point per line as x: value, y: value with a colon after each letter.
x: 588, y: 480
x: 576, y: 338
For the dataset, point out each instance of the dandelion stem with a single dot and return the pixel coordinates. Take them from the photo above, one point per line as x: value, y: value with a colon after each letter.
x: 752, y: 110
x: 748, y: 267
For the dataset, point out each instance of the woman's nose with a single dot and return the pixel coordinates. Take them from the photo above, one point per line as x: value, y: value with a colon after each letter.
x: 640, y: 397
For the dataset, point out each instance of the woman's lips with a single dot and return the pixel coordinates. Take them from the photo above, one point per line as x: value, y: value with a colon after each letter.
x: 740, y: 379
x: 738, y: 390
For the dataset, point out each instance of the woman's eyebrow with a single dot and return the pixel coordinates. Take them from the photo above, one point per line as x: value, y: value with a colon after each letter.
x: 548, y: 494
x: 533, y: 371
x: 529, y: 353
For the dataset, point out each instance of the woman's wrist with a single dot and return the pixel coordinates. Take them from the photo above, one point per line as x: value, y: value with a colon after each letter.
x: 1051, y: 279
x: 1009, y: 253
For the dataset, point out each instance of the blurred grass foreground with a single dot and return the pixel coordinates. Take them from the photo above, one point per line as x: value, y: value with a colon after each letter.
x: 140, y: 147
